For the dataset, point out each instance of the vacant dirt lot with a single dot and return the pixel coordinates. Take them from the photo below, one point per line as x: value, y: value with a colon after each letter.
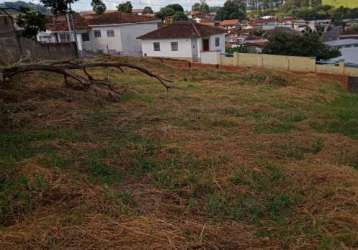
x: 227, y: 160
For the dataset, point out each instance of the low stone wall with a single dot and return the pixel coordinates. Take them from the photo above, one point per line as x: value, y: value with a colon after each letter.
x: 10, y: 52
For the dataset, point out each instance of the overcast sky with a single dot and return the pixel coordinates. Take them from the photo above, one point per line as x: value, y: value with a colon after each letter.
x: 155, y: 4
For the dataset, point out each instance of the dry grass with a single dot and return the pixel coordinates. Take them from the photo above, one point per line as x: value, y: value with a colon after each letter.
x: 230, y: 160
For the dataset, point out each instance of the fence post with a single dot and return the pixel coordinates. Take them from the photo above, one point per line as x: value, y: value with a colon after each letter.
x: 219, y: 59
x: 260, y: 60
x: 288, y: 63
x: 342, y: 68
x: 236, y: 59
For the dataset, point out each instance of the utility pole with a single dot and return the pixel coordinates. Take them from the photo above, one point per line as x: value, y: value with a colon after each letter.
x: 71, y: 27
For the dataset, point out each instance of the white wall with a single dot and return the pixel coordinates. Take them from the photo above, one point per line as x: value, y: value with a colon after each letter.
x: 184, y: 48
x: 210, y: 57
x: 125, y: 38
x: 129, y: 33
x: 46, y: 37
x: 212, y: 46
x: 105, y: 43
x: 221, y: 47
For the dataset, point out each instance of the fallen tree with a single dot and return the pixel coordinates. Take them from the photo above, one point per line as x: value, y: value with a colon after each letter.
x: 85, y: 81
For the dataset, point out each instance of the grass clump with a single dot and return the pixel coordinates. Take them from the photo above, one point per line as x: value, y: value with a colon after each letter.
x: 98, y: 170
x: 260, y: 198
x: 340, y: 116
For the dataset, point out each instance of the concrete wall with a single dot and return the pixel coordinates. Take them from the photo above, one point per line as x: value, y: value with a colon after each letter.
x: 184, y: 48
x: 10, y: 53
x: 227, y: 61
x: 5, y: 25
x: 210, y: 57
x: 277, y: 62
x: 292, y: 63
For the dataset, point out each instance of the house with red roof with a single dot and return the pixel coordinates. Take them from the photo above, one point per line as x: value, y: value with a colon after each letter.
x: 113, y: 32
x: 230, y: 24
x: 183, y: 40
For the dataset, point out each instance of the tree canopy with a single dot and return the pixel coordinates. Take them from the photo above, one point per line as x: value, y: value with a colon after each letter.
x: 31, y: 21
x: 292, y: 44
x: 58, y: 6
x: 176, y: 7
x: 171, y: 10
x: 98, y: 7
x: 148, y: 10
x: 179, y: 16
x: 126, y: 7
x: 232, y: 9
x: 202, y: 7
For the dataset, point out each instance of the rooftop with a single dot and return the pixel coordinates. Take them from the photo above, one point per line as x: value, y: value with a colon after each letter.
x: 59, y: 23
x: 183, y: 29
x: 229, y: 22
x: 86, y: 19
x: 342, y: 42
x: 116, y: 17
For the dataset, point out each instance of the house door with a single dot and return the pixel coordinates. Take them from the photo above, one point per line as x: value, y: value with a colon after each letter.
x: 205, y: 44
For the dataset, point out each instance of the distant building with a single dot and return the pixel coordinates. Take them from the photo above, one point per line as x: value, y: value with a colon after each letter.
x: 138, y: 12
x: 230, y: 24
x: 112, y: 32
x: 184, y: 39
x: 348, y: 49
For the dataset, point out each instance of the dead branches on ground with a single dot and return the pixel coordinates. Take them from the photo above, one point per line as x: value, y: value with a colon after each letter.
x: 84, y: 81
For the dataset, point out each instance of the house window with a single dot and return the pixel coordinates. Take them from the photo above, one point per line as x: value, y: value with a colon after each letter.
x: 156, y: 46
x: 65, y: 37
x: 110, y: 33
x: 174, y: 46
x: 217, y: 41
x: 97, y: 33
x: 85, y: 37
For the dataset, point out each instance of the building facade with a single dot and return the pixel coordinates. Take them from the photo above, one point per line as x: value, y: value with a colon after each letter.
x: 183, y: 40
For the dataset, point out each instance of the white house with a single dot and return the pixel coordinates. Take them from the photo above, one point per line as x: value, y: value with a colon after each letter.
x: 111, y: 33
x: 183, y: 40
x: 348, y: 49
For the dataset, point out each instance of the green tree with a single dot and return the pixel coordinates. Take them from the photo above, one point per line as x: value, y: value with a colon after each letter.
x: 179, y: 16
x: 202, y: 7
x: 291, y: 44
x: 165, y: 12
x: 126, y: 7
x: 32, y: 22
x: 176, y: 7
x: 169, y: 10
x: 148, y: 10
x: 98, y: 7
x: 58, y: 6
x: 233, y: 9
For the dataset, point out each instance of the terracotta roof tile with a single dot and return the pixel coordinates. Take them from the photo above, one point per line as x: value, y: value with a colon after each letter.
x: 229, y: 22
x: 116, y: 18
x: 183, y: 29
x: 83, y: 21
x: 59, y: 23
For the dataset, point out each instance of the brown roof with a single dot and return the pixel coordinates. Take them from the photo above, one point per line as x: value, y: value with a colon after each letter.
x: 59, y: 23
x: 229, y: 22
x: 85, y: 19
x: 116, y: 18
x: 183, y: 29
x: 137, y: 11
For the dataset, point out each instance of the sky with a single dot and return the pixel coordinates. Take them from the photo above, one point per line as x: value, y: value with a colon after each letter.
x: 155, y: 4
